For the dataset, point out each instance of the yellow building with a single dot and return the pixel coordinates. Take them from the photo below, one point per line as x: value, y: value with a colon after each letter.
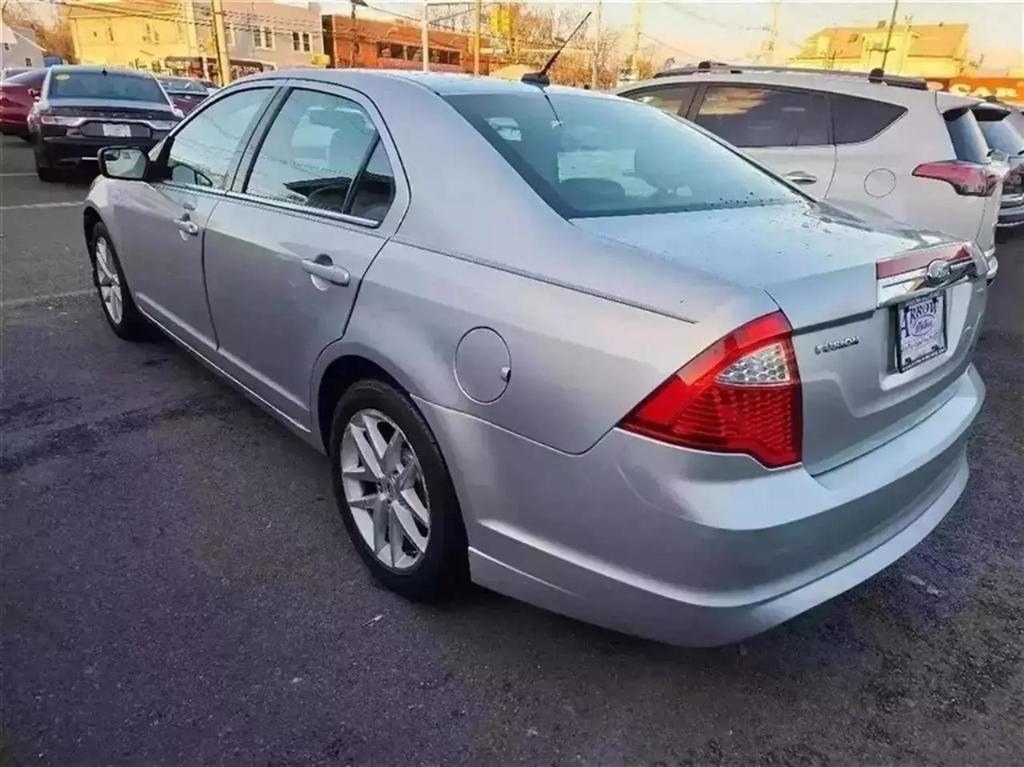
x: 176, y: 36
x: 137, y: 34
x: 925, y: 50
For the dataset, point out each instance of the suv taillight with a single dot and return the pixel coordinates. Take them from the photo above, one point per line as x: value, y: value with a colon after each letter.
x: 740, y: 395
x: 967, y: 178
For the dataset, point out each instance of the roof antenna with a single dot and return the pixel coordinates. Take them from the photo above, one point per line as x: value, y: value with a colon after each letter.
x: 541, y: 78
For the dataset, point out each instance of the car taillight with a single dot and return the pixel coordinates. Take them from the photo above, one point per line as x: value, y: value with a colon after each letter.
x: 740, y: 395
x: 967, y: 178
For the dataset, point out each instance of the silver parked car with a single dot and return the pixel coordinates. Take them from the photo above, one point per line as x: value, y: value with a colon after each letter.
x: 558, y: 342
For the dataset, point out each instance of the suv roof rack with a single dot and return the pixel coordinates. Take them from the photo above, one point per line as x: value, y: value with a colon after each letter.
x: 874, y: 76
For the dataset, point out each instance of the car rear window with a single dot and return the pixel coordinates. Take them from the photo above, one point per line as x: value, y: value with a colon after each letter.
x: 999, y: 132
x: 968, y: 140
x: 33, y: 78
x: 588, y: 156
x: 182, y: 85
x: 855, y: 120
x: 100, y: 85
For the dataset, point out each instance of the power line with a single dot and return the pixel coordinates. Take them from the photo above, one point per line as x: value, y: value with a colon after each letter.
x: 709, y: 20
x: 243, y: 20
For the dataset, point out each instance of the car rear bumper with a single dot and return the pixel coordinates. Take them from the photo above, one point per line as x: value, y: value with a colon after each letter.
x: 692, y: 548
x: 72, y: 150
x: 1011, y: 212
x: 11, y: 125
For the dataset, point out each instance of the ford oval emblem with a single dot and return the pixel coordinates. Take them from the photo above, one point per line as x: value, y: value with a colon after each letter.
x: 938, y: 271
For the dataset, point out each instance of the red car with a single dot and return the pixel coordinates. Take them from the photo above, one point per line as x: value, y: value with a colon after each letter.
x: 17, y: 95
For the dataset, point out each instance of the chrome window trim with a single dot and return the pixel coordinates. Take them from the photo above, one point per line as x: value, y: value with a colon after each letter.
x: 273, y: 202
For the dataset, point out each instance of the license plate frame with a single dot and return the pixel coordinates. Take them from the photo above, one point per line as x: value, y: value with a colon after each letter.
x: 921, y: 330
x: 117, y: 130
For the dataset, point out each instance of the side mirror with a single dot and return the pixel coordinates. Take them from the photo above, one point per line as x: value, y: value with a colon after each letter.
x: 35, y: 93
x: 124, y: 163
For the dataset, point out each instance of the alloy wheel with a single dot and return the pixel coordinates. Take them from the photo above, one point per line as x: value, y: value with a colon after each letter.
x: 108, y: 281
x: 384, y: 487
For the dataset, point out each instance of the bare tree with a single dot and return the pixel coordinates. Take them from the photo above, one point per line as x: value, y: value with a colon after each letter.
x: 56, y: 40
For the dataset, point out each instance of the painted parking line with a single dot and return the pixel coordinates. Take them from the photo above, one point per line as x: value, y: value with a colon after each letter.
x: 40, y: 205
x: 7, y: 175
x: 31, y: 300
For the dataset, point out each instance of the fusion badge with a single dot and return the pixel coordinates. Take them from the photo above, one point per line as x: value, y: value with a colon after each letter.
x: 841, y: 343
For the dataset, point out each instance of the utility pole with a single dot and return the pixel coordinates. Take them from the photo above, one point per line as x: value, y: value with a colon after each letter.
x: 220, y: 40
x: 425, y: 37
x: 888, y: 37
x: 477, y: 21
x: 773, y: 32
x: 597, y: 50
x: 638, y: 27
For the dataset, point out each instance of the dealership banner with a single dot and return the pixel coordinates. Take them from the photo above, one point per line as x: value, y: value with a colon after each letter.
x: 1009, y: 89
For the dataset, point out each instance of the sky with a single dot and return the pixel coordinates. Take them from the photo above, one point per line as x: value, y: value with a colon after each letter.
x: 691, y: 31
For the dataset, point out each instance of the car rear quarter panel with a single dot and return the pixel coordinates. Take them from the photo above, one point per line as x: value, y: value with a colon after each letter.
x: 579, y: 362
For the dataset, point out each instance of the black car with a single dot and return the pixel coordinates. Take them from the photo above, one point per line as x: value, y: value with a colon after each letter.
x: 83, y: 109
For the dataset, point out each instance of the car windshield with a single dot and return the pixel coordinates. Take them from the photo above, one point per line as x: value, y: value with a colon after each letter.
x: 104, y: 85
x: 588, y: 156
x: 1001, y: 135
x: 182, y: 85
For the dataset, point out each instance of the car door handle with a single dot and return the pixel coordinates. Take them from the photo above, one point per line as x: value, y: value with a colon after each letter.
x: 800, y: 177
x: 188, y: 226
x: 323, y: 268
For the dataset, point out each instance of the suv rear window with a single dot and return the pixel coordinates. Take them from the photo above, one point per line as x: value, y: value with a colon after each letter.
x: 855, y: 120
x: 999, y: 132
x: 968, y: 140
x: 100, y: 85
x: 590, y: 156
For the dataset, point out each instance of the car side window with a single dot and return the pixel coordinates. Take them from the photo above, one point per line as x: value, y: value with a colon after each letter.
x: 765, y: 117
x: 375, y: 188
x: 674, y: 99
x: 313, y: 151
x: 202, y: 152
x: 856, y: 119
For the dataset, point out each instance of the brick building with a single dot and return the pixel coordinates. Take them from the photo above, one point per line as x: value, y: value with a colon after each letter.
x: 373, y: 44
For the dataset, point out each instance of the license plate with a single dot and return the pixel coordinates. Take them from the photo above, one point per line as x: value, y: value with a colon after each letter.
x: 115, y: 130
x: 920, y: 330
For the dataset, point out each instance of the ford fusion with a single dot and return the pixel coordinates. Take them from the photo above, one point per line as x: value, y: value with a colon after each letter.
x: 83, y: 109
x: 559, y: 343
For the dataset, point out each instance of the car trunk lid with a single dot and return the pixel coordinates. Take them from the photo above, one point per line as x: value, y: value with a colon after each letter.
x: 841, y: 284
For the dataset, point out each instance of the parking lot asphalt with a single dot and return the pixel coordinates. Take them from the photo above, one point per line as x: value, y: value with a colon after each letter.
x: 178, y: 588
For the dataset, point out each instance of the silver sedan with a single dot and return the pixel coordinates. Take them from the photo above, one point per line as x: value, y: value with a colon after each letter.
x: 559, y: 343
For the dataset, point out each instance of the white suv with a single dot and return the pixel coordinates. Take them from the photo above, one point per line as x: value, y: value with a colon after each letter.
x: 871, y: 144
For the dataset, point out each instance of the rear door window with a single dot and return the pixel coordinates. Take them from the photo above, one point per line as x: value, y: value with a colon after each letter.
x: 375, y: 188
x: 674, y: 99
x: 315, y: 148
x: 968, y: 140
x: 765, y: 117
x: 855, y: 120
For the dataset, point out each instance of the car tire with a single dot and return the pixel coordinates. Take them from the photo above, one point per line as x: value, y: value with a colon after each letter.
x: 47, y: 175
x: 403, y: 479
x: 116, y: 300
